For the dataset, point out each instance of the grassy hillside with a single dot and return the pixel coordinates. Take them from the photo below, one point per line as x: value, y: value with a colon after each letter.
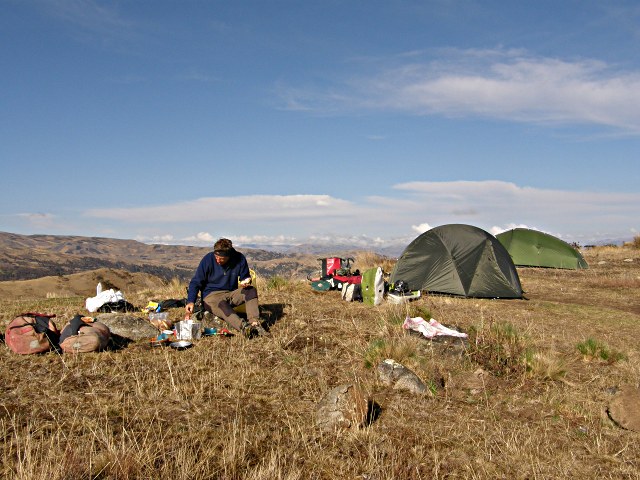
x: 526, y: 399
x: 25, y: 257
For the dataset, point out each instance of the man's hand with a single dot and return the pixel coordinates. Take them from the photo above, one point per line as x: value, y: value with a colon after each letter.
x: 189, y: 309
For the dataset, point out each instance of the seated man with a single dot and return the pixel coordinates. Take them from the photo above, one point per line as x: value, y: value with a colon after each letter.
x: 224, y: 280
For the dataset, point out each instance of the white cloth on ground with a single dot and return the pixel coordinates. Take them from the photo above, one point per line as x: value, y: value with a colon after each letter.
x: 430, y: 329
x: 106, y: 296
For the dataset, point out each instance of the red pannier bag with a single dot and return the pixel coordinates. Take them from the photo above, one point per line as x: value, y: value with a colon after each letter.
x: 330, y: 265
x: 83, y: 335
x: 32, y: 333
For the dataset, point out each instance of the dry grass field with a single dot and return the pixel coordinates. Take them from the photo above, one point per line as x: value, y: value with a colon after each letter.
x: 527, y: 399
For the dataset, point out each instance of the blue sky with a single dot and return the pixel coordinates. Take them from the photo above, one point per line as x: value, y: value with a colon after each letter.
x: 284, y: 122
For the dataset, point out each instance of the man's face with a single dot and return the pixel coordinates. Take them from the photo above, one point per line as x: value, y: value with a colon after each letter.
x: 221, y: 260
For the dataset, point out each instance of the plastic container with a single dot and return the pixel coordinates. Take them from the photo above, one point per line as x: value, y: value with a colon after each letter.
x: 159, y: 316
x: 188, y: 330
x: 160, y: 320
x: 399, y: 298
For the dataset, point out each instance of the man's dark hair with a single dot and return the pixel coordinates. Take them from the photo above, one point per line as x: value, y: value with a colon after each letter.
x: 223, y: 245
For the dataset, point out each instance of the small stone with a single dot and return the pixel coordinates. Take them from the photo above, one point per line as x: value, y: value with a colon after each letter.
x: 396, y: 375
x: 342, y: 408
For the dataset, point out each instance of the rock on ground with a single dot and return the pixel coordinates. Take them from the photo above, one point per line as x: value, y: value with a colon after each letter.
x: 396, y: 375
x: 624, y: 408
x: 342, y: 408
x: 128, y: 326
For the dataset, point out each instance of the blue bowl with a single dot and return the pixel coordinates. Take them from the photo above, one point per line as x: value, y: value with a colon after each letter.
x: 208, y: 331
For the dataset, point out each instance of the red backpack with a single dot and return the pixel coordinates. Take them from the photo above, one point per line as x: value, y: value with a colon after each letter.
x: 32, y: 333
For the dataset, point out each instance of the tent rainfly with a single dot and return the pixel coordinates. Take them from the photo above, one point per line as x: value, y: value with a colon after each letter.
x: 531, y: 248
x: 460, y: 260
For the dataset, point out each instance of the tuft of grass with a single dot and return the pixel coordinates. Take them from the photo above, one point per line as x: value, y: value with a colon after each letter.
x: 366, y: 260
x: 379, y: 349
x: 544, y: 366
x: 375, y: 352
x: 419, y: 310
x: 396, y: 314
x: 499, y: 348
x: 174, y: 288
x: 56, y: 295
x: 592, y: 349
x: 277, y: 283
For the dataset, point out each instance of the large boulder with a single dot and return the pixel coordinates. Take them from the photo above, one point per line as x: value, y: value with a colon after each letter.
x: 624, y: 408
x: 127, y: 326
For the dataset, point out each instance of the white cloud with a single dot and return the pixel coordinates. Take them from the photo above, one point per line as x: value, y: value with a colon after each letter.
x: 510, y: 85
x: 216, y: 209
x: 201, y: 237
x: 166, y: 238
x: 371, y: 221
x: 423, y: 227
x: 362, y: 241
x: 491, y: 203
x: 264, y: 239
x: 495, y: 230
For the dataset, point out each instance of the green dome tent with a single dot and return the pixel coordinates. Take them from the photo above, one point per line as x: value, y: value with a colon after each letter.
x: 531, y: 248
x: 460, y: 260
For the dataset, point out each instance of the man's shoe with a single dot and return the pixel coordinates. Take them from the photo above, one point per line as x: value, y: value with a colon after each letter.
x: 260, y: 331
x: 246, y: 329
x: 255, y: 329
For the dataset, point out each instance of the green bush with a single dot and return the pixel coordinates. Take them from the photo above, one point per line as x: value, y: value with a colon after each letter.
x: 592, y: 349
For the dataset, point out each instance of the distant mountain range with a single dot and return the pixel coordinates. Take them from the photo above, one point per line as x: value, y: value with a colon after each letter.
x: 25, y: 257
x: 337, y: 248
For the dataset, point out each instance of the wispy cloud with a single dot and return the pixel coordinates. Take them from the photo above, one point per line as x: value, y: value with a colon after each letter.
x: 130, y: 79
x: 376, y: 138
x: 198, y: 77
x: 89, y: 15
x: 497, y: 203
x: 38, y: 220
x: 510, y: 85
x: 250, y: 207
x: 492, y: 205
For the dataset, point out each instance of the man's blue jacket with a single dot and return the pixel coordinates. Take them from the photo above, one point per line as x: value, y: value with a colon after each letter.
x: 211, y: 277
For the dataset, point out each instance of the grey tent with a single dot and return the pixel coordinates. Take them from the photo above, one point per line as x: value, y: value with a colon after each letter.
x: 531, y: 248
x: 460, y: 260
